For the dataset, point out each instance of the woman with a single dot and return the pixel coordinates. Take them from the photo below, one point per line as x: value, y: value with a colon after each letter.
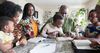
x: 29, y: 22
x: 13, y: 11
x: 92, y: 29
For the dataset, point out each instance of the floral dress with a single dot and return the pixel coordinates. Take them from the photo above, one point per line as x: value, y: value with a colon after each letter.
x: 30, y: 27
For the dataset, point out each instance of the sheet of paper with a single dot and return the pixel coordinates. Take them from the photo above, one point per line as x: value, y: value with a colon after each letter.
x: 44, y: 48
x: 36, y: 40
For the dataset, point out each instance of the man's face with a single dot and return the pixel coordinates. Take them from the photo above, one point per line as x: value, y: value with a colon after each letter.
x: 98, y: 13
x: 63, y: 11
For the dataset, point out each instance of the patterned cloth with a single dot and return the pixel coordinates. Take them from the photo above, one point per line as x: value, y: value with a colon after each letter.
x: 30, y: 26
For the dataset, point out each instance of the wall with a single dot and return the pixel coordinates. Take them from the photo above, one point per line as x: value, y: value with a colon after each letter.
x: 2, y: 1
x: 40, y: 13
x: 91, y: 4
x: 23, y: 2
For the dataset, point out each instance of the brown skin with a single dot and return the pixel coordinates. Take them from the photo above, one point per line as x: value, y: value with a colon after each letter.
x: 63, y: 10
x: 15, y: 18
x: 30, y: 11
x: 58, y: 23
x: 7, y: 47
x: 97, y: 8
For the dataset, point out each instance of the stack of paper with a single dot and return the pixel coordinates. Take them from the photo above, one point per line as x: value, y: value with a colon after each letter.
x: 44, y: 48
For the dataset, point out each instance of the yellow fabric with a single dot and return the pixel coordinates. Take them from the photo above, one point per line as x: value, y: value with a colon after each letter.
x: 34, y: 27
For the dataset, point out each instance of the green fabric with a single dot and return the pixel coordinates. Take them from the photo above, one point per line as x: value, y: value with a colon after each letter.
x: 98, y: 2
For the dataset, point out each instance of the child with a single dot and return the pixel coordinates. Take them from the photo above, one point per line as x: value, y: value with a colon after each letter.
x: 6, y: 37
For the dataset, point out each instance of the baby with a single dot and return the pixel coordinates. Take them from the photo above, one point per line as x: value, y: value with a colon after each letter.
x: 6, y: 37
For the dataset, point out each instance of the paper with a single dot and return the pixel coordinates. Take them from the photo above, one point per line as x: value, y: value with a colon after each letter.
x: 36, y: 40
x: 84, y: 47
x: 82, y: 44
x: 44, y: 48
x: 64, y: 38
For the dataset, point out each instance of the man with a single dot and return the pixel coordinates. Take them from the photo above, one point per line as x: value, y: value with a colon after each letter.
x: 62, y: 12
x: 97, y: 8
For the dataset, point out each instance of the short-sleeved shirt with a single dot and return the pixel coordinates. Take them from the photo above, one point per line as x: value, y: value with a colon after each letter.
x: 93, y: 30
x: 6, y: 37
x: 51, y: 28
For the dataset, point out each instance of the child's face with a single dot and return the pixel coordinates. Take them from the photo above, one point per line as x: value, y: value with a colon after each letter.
x: 94, y: 20
x: 59, y: 23
x: 10, y: 26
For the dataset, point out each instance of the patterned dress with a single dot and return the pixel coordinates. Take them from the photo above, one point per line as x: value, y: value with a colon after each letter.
x: 30, y: 27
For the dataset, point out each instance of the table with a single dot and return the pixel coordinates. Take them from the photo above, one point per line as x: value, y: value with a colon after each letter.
x: 83, y: 46
x: 62, y: 47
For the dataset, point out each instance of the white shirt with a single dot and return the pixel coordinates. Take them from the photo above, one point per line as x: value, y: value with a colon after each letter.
x: 51, y: 28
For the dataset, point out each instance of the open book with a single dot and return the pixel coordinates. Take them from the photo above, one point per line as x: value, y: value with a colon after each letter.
x: 82, y: 44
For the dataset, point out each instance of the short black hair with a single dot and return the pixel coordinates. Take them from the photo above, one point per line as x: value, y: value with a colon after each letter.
x: 9, y: 9
x: 56, y: 17
x: 93, y: 10
x: 4, y: 21
x: 25, y: 11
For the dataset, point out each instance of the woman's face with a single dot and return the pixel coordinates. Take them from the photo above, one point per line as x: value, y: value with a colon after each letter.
x: 30, y: 11
x: 16, y: 17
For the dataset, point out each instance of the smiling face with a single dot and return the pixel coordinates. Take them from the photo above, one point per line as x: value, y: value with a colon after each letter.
x: 30, y: 11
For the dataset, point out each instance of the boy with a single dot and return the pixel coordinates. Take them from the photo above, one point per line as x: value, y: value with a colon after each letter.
x: 6, y: 37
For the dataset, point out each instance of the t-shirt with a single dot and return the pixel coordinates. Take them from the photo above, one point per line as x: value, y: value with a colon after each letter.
x: 6, y: 37
x: 51, y: 28
x: 93, y: 30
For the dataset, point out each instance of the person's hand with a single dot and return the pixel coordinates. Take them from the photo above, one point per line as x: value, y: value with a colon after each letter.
x: 23, y: 42
x: 10, y: 51
x: 55, y: 33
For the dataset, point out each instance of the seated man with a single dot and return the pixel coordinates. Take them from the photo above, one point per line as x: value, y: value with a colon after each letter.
x: 53, y: 30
